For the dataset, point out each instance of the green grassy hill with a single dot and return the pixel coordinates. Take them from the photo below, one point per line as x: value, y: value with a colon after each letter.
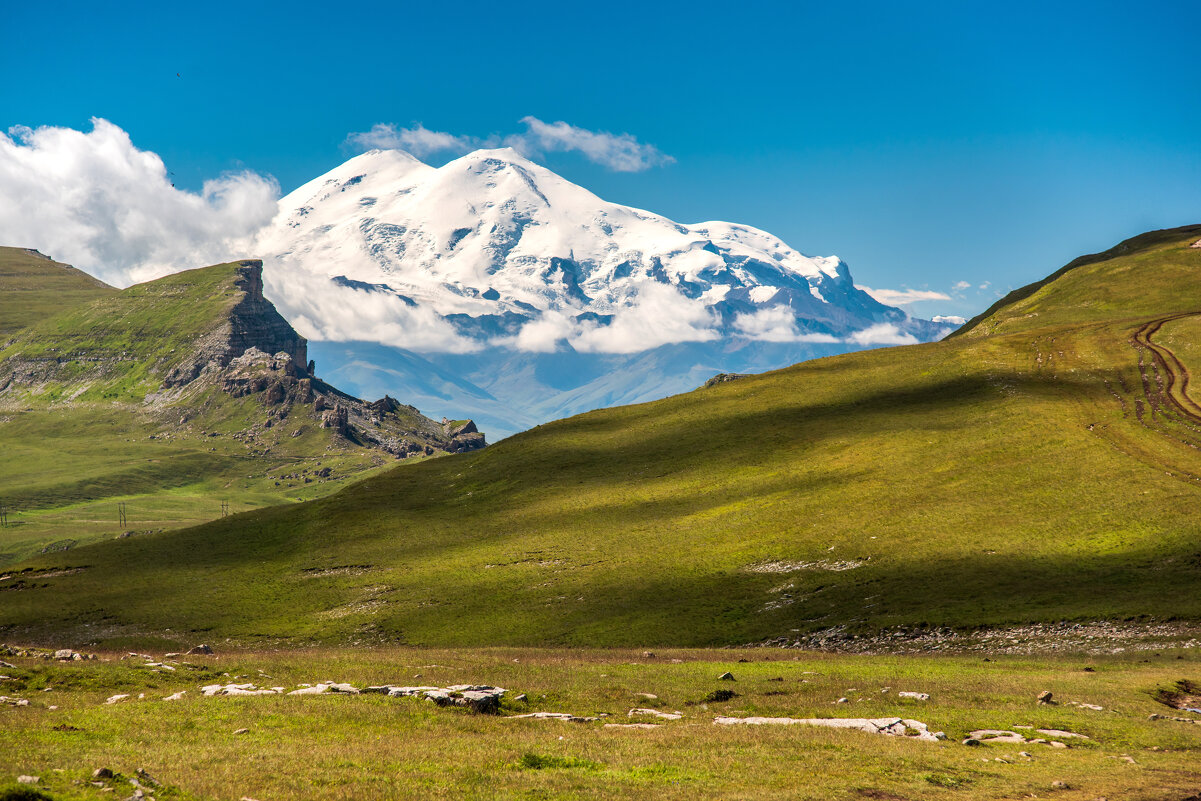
x: 175, y: 397
x: 33, y: 287
x: 1041, y: 466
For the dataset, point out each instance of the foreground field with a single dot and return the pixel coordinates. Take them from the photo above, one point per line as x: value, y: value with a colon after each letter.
x: 371, y: 746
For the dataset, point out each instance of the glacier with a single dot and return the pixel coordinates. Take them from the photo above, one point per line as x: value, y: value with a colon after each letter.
x: 493, y: 288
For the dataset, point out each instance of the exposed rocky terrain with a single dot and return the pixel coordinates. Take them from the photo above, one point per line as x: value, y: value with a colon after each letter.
x: 243, y: 350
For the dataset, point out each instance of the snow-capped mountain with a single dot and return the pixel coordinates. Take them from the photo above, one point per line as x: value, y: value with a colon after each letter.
x: 494, y: 288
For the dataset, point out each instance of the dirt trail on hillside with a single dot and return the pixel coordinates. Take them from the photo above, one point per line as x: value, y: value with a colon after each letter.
x: 1171, y: 375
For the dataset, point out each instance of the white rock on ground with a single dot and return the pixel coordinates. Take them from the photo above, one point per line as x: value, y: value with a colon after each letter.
x: 112, y: 699
x: 654, y: 713
x: 177, y: 696
x: 553, y: 716
x: 211, y: 690
x: 479, y: 697
x: 893, y: 727
x: 915, y: 696
x: 4, y: 699
x: 631, y: 725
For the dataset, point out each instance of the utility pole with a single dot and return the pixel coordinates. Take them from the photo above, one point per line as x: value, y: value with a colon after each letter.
x: 121, y: 514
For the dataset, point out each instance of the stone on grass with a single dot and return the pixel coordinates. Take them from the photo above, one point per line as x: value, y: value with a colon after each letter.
x: 28, y: 779
x: 1045, y: 697
x: 915, y: 696
x: 893, y: 727
x: 564, y: 716
x: 631, y: 726
x: 112, y: 699
x: 242, y: 731
x: 103, y: 773
x: 1060, y: 733
x: 727, y: 676
x: 196, y: 650
x: 654, y: 713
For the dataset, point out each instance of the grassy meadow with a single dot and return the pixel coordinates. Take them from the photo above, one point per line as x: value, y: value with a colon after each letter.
x: 371, y: 746
x: 1032, y: 469
x: 97, y: 432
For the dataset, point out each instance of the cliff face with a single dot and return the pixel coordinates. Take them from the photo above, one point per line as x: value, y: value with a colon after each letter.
x: 193, y: 342
x: 255, y: 323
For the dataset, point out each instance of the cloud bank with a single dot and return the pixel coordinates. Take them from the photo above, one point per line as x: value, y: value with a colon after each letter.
x: 93, y: 200
x: 902, y: 297
x: 617, y: 152
x: 660, y: 315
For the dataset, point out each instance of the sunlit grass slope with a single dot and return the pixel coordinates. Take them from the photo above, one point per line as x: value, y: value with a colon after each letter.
x: 91, y: 433
x: 1038, y: 467
x: 33, y: 287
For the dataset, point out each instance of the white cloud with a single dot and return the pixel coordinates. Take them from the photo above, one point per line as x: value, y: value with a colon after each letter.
x: 93, y: 200
x: 954, y: 319
x: 902, y: 297
x: 959, y: 286
x: 660, y: 315
x: 322, y: 310
x: 985, y: 285
x: 418, y: 140
x: 775, y: 324
x: 618, y: 152
x: 882, y: 334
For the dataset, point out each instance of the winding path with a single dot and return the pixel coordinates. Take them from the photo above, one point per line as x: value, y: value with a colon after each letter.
x: 1174, y: 385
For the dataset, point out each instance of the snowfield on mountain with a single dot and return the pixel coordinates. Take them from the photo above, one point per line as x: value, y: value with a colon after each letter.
x: 498, y: 288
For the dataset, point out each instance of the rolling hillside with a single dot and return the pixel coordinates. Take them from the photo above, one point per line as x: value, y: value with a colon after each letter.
x: 170, y: 403
x: 1041, y: 466
x: 34, y: 286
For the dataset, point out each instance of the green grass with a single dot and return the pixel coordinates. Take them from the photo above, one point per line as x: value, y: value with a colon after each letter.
x: 1021, y: 472
x: 87, y: 438
x: 33, y: 287
x: 336, y: 747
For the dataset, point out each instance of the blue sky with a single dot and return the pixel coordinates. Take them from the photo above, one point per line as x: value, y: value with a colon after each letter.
x: 927, y: 144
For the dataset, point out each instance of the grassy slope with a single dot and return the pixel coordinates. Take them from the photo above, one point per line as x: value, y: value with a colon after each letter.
x: 33, y: 287
x: 1026, y: 471
x: 369, y: 746
x: 75, y: 447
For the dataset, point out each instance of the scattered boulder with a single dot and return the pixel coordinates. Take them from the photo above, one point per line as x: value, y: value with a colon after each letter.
x: 726, y: 677
x: 4, y: 699
x: 103, y: 773
x: 198, y: 650
x: 1045, y: 697
x: 631, y: 726
x: 915, y: 696
x: 993, y: 736
x: 242, y: 731
x: 112, y: 699
x: 564, y: 716
x: 893, y: 727
x: 28, y: 779
x: 1060, y: 733
x: 654, y: 713
x: 211, y: 690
